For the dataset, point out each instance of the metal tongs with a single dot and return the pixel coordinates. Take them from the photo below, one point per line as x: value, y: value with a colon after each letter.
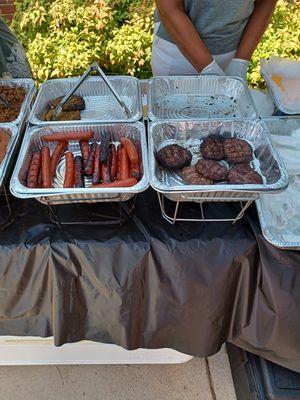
x: 93, y: 67
x: 5, y: 101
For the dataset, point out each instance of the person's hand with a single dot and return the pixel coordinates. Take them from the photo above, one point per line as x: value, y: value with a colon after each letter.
x: 213, y: 69
x: 238, y: 67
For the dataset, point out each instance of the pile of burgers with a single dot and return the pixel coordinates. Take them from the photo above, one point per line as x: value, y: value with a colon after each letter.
x: 211, y: 168
x: 105, y: 164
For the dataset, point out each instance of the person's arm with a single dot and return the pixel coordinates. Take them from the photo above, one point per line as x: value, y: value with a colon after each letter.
x: 254, y: 31
x: 255, y: 28
x: 183, y: 32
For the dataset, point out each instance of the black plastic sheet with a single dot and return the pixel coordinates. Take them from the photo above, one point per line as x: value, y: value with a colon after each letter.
x: 190, y: 287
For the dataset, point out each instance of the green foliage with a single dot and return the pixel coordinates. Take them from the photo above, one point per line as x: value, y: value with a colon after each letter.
x: 63, y: 37
x: 281, y: 39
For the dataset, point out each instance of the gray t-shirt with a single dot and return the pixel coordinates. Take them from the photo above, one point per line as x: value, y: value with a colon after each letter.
x: 220, y: 23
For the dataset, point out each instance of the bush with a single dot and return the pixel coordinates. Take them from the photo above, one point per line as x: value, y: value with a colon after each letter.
x: 63, y: 37
x: 281, y: 39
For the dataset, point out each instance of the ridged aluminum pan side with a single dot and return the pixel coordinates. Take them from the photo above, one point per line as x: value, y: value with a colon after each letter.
x: 33, y: 140
x: 101, y: 106
x: 13, y: 130
x: 284, y: 127
x: 199, y: 97
x: 29, y: 86
x: 254, y: 131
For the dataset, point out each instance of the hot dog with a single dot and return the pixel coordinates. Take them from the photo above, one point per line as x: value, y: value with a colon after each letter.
x: 118, y: 164
x: 23, y: 174
x: 56, y: 155
x: 89, y: 164
x: 104, y: 149
x: 69, y: 174
x: 32, y: 180
x: 113, y: 162
x: 66, y: 137
x: 97, y: 173
x: 46, y: 177
x: 130, y: 149
x: 105, y: 173
x: 134, y: 170
x: 85, y: 149
x: 79, y: 174
x: 124, y: 164
x: 123, y: 183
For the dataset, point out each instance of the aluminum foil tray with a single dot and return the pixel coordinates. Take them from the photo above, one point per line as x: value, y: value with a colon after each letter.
x: 13, y: 131
x: 190, y: 135
x: 101, y: 106
x: 279, y: 215
x: 29, y: 86
x: 197, y: 97
x: 58, y: 195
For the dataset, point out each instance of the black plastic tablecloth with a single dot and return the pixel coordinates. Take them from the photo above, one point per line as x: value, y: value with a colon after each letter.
x: 190, y: 287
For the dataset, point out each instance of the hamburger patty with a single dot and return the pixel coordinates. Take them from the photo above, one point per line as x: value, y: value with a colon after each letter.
x: 192, y: 177
x: 174, y: 157
x: 237, y: 151
x: 244, y: 174
x: 212, y: 147
x: 73, y: 104
x: 212, y: 170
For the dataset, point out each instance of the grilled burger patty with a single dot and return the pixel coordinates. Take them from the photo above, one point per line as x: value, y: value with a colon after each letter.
x: 244, y: 174
x: 237, y: 151
x: 212, y: 170
x: 192, y: 177
x: 174, y: 157
x: 212, y: 147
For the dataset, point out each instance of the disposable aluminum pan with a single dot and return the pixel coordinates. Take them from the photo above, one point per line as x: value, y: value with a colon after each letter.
x: 30, y: 89
x: 100, y: 105
x: 190, y: 135
x: 199, y: 97
x: 280, y: 217
x: 13, y: 131
x: 33, y: 141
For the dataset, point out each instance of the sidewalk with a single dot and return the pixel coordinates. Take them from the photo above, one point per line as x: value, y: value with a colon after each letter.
x: 199, y: 379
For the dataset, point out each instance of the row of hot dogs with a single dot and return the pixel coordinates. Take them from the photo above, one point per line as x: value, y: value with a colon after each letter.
x: 107, y: 164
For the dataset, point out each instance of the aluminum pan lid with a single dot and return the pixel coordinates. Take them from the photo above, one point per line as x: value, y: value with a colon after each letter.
x: 101, y: 106
x: 283, y: 220
x: 254, y: 131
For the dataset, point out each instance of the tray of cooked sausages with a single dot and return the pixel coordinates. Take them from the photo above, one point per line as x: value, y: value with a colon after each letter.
x: 91, y: 103
x: 15, y: 98
x: 199, y: 97
x: 214, y: 160
x: 91, y: 163
x: 8, y: 141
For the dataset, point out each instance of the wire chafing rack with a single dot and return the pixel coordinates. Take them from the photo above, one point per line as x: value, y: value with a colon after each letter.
x: 190, y: 134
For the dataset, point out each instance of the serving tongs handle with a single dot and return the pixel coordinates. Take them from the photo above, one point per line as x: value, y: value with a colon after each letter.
x: 112, y: 89
x: 93, y: 67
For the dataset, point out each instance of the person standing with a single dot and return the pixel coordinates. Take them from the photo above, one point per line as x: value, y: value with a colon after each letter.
x: 208, y: 36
